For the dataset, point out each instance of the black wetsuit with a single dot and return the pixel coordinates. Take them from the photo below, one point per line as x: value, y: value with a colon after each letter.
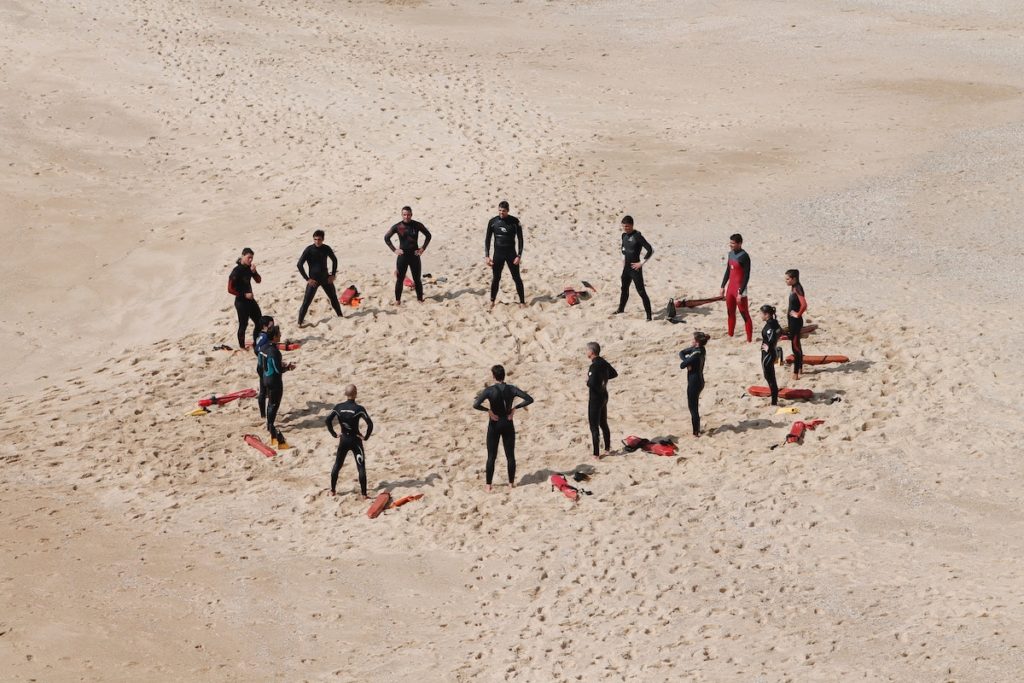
x: 693, y: 360
x: 508, y: 246
x: 796, y: 325
x: 769, y: 340
x: 273, y: 369
x: 240, y: 284
x: 408, y: 242
x: 258, y: 347
x: 500, y: 397
x: 348, y: 415
x: 632, y: 244
x: 597, y: 405
x: 316, y: 258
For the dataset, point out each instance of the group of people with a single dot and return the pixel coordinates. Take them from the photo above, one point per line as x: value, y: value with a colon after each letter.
x: 318, y: 266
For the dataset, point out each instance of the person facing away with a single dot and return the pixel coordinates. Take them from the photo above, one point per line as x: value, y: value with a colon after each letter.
x: 348, y: 415
x: 632, y: 265
x: 692, y: 360
x: 500, y: 426
x: 508, y: 250
x: 795, y: 319
x: 240, y: 284
x: 315, y: 257
x: 408, y: 252
x: 598, y: 375
x: 770, y: 334
x: 734, y: 285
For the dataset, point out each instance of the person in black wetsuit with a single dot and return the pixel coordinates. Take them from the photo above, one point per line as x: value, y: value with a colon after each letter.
x: 240, y: 284
x: 795, y: 319
x: 769, y: 341
x: 500, y: 397
x: 693, y: 360
x: 262, y: 341
x: 315, y: 256
x: 508, y: 249
x: 348, y: 415
x: 408, y: 252
x: 598, y: 374
x: 632, y: 244
x: 273, y: 369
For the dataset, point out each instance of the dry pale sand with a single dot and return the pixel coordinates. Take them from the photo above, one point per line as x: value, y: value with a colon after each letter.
x: 876, y: 145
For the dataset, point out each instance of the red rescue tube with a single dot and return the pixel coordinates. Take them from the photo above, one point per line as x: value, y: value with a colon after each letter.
x: 783, y: 393
x: 256, y: 443
x: 559, y: 482
x: 379, y: 504
x: 227, y: 398
x: 804, y: 331
x: 346, y: 296
x: 819, y: 360
x: 572, y: 297
x: 694, y: 303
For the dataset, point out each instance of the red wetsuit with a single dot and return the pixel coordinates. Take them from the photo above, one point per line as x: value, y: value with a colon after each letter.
x: 737, y: 275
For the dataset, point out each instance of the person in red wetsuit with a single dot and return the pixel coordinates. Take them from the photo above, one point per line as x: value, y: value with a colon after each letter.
x: 795, y: 315
x: 734, y: 285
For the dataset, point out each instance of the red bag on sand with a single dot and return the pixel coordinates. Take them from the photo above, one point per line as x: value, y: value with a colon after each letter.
x: 409, y: 284
x: 796, y: 432
x: 633, y: 443
x: 572, y: 297
x: 559, y: 482
x: 346, y: 296
x: 667, y: 449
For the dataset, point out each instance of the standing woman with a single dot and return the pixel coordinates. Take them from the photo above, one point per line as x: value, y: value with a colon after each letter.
x: 273, y: 370
x: 240, y: 284
x: 769, y: 340
x: 795, y: 318
x: 693, y: 360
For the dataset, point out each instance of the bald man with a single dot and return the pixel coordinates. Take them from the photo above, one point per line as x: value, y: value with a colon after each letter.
x: 348, y: 415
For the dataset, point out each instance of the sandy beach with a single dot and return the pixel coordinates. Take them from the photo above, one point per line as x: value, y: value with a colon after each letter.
x: 877, y: 146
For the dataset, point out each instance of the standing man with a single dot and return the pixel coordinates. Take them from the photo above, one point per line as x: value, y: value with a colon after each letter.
x: 508, y: 249
x: 408, y: 252
x: 500, y: 397
x: 240, y: 284
x: 597, y: 407
x: 348, y: 415
x: 315, y: 256
x: 734, y: 285
x: 632, y: 244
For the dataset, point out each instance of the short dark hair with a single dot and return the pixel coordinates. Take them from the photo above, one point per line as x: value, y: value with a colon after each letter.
x: 594, y: 347
x: 318, y: 233
x: 736, y: 237
x: 266, y: 320
x: 247, y: 251
x: 627, y: 220
x: 407, y: 208
x: 503, y: 205
x: 498, y: 372
x: 794, y: 273
x: 770, y: 310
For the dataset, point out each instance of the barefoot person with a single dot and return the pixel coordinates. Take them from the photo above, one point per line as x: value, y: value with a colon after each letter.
x: 599, y: 373
x: 348, y: 415
x: 632, y: 266
x: 240, y: 284
x: 769, y: 341
x: 408, y: 252
x: 273, y: 370
x: 508, y: 249
x: 734, y: 285
x: 500, y: 397
x: 795, y: 319
x: 693, y: 360
x: 315, y: 256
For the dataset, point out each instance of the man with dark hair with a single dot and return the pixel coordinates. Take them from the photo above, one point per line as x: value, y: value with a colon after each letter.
x: 597, y: 406
x: 240, y: 284
x: 508, y: 249
x: 632, y: 244
x: 500, y: 397
x: 408, y: 252
x: 316, y: 256
x: 734, y: 285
